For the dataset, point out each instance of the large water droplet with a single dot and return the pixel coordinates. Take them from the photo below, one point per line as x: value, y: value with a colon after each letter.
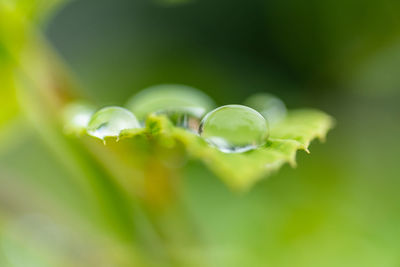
x: 110, y: 122
x: 234, y: 128
x: 76, y: 117
x: 271, y: 107
x: 182, y: 104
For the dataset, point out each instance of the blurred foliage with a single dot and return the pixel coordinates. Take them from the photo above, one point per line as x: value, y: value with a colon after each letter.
x: 32, y: 10
x: 14, y: 18
x: 282, y: 46
x: 9, y: 107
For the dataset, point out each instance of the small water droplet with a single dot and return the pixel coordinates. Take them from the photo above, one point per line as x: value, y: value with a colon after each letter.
x: 234, y: 128
x: 271, y: 107
x: 181, y: 104
x: 110, y: 121
x: 76, y: 117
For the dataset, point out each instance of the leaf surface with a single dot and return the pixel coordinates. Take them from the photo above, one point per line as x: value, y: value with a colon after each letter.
x: 241, y: 170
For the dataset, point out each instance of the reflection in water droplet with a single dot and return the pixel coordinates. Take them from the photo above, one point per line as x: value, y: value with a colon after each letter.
x: 110, y: 121
x: 188, y: 118
x: 181, y: 104
x: 271, y: 107
x: 76, y: 117
x: 234, y: 128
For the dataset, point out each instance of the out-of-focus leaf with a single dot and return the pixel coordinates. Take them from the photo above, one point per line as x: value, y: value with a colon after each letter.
x: 241, y: 170
x: 9, y: 110
x: 8, y: 100
x: 32, y: 10
x: 36, y: 239
x: 15, y: 18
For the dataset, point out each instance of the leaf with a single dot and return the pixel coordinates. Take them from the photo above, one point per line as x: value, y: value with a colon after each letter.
x: 241, y: 170
x: 15, y: 18
x: 11, y: 129
x: 8, y: 100
x: 303, y: 126
x: 32, y: 10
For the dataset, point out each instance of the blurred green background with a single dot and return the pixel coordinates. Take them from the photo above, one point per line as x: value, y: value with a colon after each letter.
x: 339, y: 207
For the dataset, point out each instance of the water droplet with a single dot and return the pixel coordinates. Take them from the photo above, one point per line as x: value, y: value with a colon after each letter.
x: 234, y: 128
x: 110, y: 122
x: 271, y: 107
x: 76, y: 117
x: 188, y: 118
x: 182, y: 104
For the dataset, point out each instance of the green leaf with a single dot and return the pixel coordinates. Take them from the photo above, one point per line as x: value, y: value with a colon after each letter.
x: 10, y: 121
x: 241, y: 170
x: 8, y: 100
x: 17, y: 19
x: 32, y: 10
x: 303, y: 126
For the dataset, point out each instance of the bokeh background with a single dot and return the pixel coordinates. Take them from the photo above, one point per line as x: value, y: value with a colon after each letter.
x: 339, y: 207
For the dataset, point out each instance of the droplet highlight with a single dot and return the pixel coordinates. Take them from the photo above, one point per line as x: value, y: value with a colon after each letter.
x: 271, y: 107
x: 76, y: 117
x: 182, y: 104
x: 110, y: 122
x: 234, y: 129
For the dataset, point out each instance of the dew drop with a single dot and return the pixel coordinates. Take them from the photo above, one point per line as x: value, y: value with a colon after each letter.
x: 76, y: 117
x: 271, y: 107
x: 183, y: 105
x: 188, y: 118
x: 110, y: 122
x: 234, y: 128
